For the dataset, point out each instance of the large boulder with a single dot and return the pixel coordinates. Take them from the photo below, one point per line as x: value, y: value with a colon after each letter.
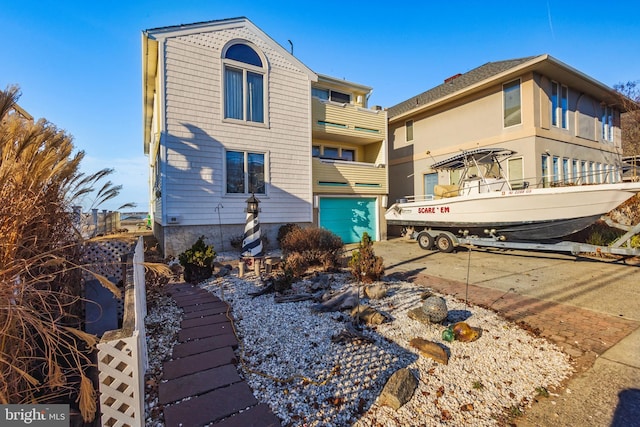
x: 399, y: 389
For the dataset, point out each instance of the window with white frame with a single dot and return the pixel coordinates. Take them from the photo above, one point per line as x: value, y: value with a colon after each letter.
x: 512, y: 108
x: 556, y: 169
x: 331, y: 95
x: 409, y: 130
x: 245, y: 172
x: 544, y: 163
x: 244, y: 84
x: 607, y: 123
x: 574, y: 171
x: 559, y: 105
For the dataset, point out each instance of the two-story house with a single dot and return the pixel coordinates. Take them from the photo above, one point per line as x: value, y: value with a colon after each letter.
x: 563, y: 125
x: 229, y: 113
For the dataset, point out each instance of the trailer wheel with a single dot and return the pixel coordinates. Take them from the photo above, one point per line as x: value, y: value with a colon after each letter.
x: 425, y: 241
x: 444, y: 243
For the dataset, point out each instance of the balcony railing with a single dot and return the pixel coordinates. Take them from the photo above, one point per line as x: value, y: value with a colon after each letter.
x: 339, y: 176
x: 347, y: 122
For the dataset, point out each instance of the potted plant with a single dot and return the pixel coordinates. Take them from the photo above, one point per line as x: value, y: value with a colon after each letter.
x: 197, y: 261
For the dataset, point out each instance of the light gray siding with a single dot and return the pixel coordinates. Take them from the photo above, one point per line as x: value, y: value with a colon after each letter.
x: 196, y: 136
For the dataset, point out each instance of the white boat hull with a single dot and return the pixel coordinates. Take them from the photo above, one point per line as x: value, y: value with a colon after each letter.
x: 527, y: 214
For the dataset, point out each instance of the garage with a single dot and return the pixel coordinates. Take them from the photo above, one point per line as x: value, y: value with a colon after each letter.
x: 349, y: 217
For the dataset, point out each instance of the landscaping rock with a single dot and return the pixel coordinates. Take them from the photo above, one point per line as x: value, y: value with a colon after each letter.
x: 369, y: 315
x: 377, y: 291
x: 430, y: 349
x: 399, y: 389
x: 419, y: 315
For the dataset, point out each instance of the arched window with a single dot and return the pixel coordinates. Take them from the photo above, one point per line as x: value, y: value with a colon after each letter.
x: 244, y: 88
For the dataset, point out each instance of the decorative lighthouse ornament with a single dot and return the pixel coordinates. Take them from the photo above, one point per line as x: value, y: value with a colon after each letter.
x: 251, y: 242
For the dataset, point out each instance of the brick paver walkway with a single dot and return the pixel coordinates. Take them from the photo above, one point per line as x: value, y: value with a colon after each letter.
x: 203, y: 386
x: 582, y: 334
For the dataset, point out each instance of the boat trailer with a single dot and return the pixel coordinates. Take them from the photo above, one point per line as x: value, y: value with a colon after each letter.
x: 446, y: 241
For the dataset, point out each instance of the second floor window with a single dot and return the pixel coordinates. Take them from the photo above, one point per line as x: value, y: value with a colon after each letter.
x: 607, y: 124
x: 559, y: 105
x: 331, y: 95
x: 511, y: 103
x: 409, y: 130
x: 244, y: 89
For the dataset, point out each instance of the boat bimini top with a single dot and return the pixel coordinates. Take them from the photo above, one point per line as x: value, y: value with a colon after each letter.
x: 477, y: 156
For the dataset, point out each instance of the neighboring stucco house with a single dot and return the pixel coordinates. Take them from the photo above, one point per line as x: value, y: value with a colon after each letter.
x: 564, y: 126
x: 228, y: 113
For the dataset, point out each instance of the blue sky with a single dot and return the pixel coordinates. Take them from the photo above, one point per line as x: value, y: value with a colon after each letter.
x: 78, y: 63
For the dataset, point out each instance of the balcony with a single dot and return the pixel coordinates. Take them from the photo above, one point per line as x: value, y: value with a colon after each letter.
x: 347, y: 123
x: 338, y: 176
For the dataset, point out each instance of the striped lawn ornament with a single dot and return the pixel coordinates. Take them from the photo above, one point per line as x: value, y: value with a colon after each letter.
x: 251, y: 242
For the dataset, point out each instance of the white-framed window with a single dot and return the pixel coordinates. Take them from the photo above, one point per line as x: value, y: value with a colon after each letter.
x: 331, y: 95
x: 556, y: 169
x: 559, y: 105
x: 544, y: 163
x: 245, y: 172
x: 512, y: 107
x: 607, y: 123
x: 565, y: 170
x: 409, y: 130
x: 574, y: 171
x: 245, y: 91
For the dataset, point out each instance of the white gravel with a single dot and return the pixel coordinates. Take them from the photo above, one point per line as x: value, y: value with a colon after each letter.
x: 498, y: 374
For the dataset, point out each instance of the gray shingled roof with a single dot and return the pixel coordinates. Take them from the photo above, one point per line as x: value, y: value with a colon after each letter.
x: 467, y: 79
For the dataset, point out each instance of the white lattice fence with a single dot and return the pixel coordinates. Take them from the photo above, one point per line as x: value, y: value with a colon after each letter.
x: 122, y: 356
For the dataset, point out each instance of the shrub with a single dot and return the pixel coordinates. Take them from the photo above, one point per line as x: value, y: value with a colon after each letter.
x: 365, y: 266
x: 197, y: 261
x: 284, y: 230
x: 600, y: 234
x: 317, y: 246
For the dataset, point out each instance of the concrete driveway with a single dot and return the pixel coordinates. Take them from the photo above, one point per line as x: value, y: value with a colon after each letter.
x: 588, y: 307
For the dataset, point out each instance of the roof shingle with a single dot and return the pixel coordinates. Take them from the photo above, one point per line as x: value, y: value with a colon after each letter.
x: 467, y: 79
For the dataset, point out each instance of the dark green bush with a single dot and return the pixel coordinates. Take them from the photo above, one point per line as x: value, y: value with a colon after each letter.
x: 601, y: 234
x: 197, y: 261
x: 199, y: 254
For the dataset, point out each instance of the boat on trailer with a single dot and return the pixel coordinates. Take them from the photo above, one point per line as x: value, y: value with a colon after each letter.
x: 484, y: 203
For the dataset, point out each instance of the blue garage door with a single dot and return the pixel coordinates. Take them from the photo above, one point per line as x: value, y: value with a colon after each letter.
x: 348, y: 217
